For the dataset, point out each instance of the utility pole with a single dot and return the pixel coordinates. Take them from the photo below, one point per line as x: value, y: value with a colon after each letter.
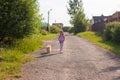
x: 48, y: 27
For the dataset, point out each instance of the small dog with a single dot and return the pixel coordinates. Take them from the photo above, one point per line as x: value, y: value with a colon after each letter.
x: 48, y: 48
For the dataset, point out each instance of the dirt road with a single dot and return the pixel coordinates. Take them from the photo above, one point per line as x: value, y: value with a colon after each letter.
x: 81, y: 60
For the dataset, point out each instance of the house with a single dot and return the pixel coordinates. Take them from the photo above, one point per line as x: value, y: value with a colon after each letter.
x: 99, y: 19
x: 109, y: 18
x: 116, y: 17
x: 98, y: 22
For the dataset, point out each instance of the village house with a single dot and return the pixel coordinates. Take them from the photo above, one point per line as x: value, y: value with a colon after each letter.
x: 98, y: 22
x: 114, y: 17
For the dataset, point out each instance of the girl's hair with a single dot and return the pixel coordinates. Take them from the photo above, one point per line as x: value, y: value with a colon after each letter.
x: 61, y: 31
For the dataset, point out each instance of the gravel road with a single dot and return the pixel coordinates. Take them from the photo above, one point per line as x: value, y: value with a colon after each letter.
x: 81, y: 60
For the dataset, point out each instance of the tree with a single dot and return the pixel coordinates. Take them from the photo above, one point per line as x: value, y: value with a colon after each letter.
x: 74, y: 7
x: 76, y: 12
x: 80, y: 23
x: 18, y: 18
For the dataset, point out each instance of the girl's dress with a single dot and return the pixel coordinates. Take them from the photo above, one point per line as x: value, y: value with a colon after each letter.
x: 61, y: 40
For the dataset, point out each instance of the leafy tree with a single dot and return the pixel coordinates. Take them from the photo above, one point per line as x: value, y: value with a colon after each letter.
x: 74, y: 7
x: 18, y: 18
x: 76, y: 12
x: 80, y: 22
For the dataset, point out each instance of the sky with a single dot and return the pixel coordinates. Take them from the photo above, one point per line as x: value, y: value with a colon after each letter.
x: 91, y: 8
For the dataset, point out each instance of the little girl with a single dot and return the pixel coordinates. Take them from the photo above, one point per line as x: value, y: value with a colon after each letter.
x: 61, y: 39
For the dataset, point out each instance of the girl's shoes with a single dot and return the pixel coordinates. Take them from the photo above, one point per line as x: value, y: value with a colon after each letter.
x: 61, y: 52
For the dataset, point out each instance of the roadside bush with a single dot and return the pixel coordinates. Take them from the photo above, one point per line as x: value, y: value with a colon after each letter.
x: 108, y: 32
x: 54, y: 29
x: 44, y: 32
x: 112, y: 32
x: 116, y: 33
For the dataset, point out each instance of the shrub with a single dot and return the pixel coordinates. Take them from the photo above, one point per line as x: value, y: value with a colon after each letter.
x: 116, y: 33
x: 112, y: 32
x: 108, y: 32
x: 54, y: 29
x: 44, y: 32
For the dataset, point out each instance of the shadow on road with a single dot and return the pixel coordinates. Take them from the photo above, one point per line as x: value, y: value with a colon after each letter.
x: 45, y: 54
x: 118, y: 78
x: 111, y: 69
x: 114, y: 57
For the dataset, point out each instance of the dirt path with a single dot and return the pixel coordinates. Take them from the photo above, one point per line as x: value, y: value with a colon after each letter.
x: 81, y: 60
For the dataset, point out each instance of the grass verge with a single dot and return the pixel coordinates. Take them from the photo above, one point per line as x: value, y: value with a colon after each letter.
x: 97, y: 39
x: 15, y: 55
x: 49, y: 36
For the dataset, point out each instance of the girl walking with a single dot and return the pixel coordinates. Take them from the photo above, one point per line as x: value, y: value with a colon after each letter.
x: 61, y: 39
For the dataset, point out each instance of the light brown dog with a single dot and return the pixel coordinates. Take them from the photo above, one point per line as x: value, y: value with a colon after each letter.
x: 48, y: 48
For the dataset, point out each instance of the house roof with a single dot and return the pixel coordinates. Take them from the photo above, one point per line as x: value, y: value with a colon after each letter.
x: 117, y: 12
x: 99, y: 18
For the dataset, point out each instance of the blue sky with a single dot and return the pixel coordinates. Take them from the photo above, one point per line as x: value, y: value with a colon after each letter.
x: 91, y: 8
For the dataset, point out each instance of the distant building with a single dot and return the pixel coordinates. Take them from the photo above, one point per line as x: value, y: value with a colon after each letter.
x: 57, y: 24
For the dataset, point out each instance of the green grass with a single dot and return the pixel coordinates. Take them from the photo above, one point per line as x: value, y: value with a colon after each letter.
x: 97, y: 39
x: 16, y: 55
x: 12, y: 56
x: 49, y: 36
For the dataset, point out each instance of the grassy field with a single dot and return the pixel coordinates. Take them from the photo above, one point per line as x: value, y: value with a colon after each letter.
x: 15, y: 56
x: 97, y: 39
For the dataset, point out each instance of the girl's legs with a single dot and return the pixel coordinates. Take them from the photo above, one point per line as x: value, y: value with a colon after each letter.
x: 61, y: 46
